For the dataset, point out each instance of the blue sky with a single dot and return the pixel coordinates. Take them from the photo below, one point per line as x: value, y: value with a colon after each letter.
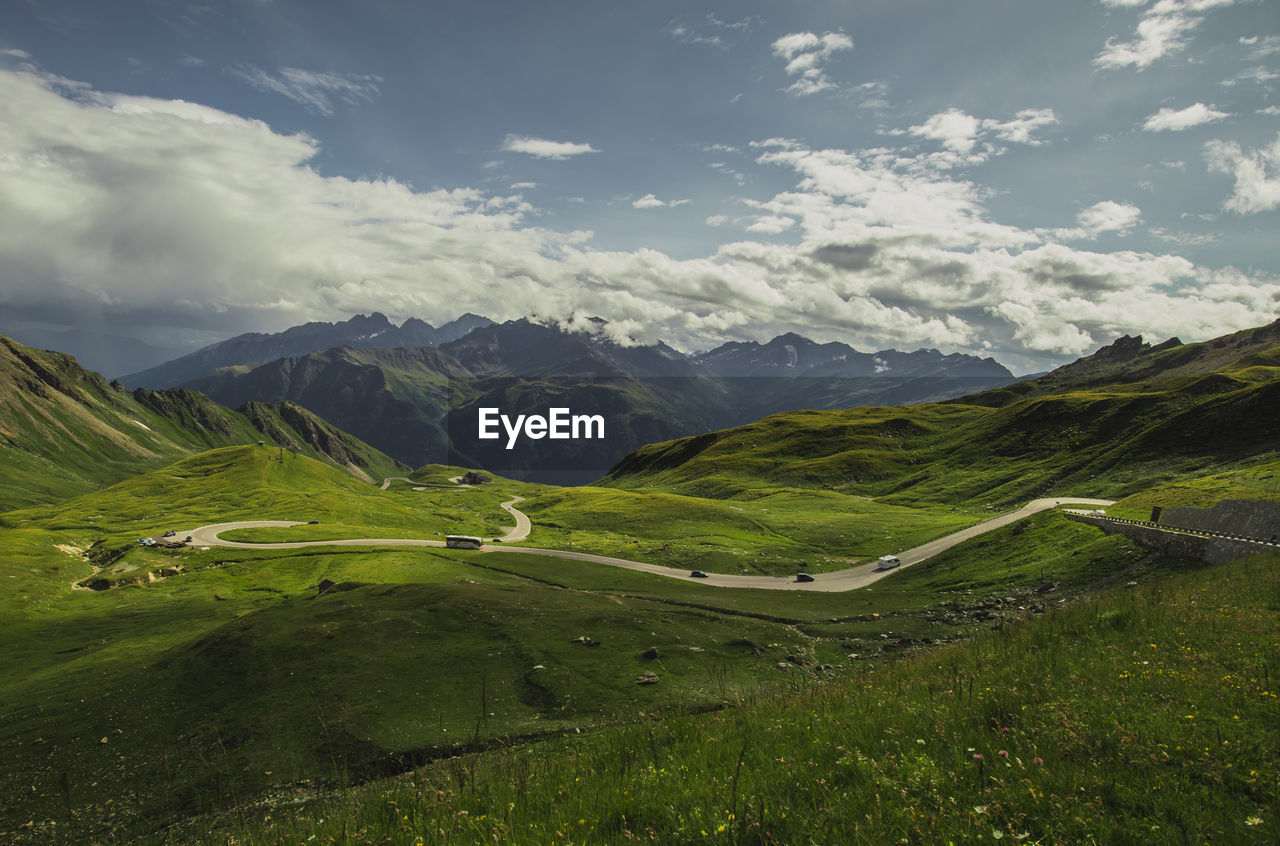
x: 1022, y: 179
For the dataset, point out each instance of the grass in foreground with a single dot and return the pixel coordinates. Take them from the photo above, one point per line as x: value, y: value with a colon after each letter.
x: 1145, y: 716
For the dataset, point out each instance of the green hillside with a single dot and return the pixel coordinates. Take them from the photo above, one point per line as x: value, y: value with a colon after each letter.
x: 1048, y: 437
x: 255, y: 685
x: 1144, y: 716
x: 65, y: 430
x: 436, y: 695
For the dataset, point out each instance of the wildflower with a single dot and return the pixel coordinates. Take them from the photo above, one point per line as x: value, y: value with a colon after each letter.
x: 977, y: 756
x: 1004, y: 754
x: 1039, y: 762
x: 1253, y: 820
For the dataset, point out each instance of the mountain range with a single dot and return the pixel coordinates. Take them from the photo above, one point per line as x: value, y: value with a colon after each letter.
x: 360, y: 332
x: 421, y: 404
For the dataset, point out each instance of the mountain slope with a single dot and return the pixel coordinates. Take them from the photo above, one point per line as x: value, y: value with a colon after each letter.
x: 1129, y: 360
x: 1147, y: 415
x: 65, y: 430
x: 360, y: 332
x: 396, y: 398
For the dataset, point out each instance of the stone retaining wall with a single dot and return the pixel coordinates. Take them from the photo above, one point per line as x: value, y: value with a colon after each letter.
x: 1206, y: 548
x: 1247, y: 517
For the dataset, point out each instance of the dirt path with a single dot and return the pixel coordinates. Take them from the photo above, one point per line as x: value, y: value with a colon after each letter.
x: 838, y: 581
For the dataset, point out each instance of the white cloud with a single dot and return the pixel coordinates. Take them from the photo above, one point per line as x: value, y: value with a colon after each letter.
x: 1182, y: 239
x: 1176, y: 120
x: 544, y: 149
x: 649, y: 201
x: 187, y: 216
x: 956, y: 130
x: 1259, y: 75
x: 1109, y: 216
x: 314, y: 89
x: 1257, y: 174
x: 1261, y: 47
x: 771, y: 224
x: 1106, y: 216
x: 1020, y: 129
x: 710, y: 31
x: 804, y: 53
x: 1164, y: 29
x: 959, y: 132
x: 1269, y: 110
x: 1158, y: 36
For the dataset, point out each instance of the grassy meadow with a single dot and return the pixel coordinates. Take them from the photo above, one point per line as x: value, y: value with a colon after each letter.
x: 451, y: 695
x: 1136, y: 716
x: 254, y: 684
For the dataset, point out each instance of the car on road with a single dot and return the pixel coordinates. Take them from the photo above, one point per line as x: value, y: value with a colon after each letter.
x: 698, y: 574
x: 803, y: 577
x: 888, y: 562
x: 463, y: 542
x: 313, y: 522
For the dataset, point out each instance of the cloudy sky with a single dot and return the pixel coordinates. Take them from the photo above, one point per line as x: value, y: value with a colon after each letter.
x: 1026, y: 179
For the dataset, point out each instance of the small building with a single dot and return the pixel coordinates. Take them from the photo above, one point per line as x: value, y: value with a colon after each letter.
x: 471, y: 477
x: 463, y: 542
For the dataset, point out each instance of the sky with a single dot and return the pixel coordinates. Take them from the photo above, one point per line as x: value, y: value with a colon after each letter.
x: 1025, y: 179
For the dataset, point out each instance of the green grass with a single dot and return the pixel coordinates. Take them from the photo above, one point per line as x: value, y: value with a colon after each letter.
x: 1256, y: 480
x: 765, y: 531
x: 251, y: 681
x: 1143, y: 716
x: 1110, y: 441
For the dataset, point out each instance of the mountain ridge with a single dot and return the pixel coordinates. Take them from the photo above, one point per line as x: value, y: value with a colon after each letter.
x: 359, y: 332
x: 66, y: 430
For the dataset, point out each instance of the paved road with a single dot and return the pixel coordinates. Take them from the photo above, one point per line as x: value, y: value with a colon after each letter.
x: 841, y: 580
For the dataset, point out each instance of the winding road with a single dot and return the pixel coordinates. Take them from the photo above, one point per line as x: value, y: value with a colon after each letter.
x: 850, y: 578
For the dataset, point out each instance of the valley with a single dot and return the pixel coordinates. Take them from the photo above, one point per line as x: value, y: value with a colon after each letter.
x: 316, y: 655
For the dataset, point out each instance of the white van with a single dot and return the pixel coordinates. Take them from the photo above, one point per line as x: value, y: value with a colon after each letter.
x: 463, y: 542
x: 888, y: 562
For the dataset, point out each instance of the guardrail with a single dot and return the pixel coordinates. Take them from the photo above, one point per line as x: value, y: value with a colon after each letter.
x: 1176, y: 530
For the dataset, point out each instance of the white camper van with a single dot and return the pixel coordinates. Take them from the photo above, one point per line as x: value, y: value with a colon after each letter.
x: 888, y: 562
